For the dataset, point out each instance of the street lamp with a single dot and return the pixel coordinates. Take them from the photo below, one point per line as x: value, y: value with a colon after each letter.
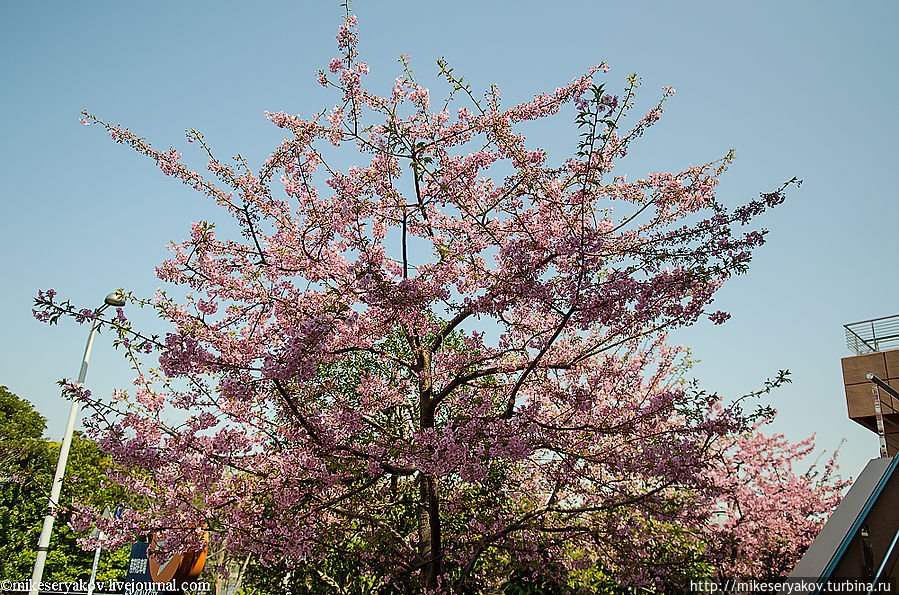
x: 43, y: 544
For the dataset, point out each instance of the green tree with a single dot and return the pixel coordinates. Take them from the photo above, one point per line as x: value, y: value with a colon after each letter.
x: 21, y: 428
x: 27, y: 464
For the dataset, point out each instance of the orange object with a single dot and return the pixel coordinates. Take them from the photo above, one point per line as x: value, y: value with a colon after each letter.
x: 178, y: 567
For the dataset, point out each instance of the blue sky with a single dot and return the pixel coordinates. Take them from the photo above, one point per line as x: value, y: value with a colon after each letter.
x: 803, y: 89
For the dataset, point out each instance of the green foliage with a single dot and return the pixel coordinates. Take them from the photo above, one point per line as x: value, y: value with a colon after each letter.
x: 21, y: 428
x: 27, y: 464
x: 339, y: 574
x: 520, y: 583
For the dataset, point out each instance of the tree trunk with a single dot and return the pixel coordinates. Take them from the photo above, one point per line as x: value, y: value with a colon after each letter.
x: 429, y: 537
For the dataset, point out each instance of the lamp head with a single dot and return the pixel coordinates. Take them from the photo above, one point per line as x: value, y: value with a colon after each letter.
x: 114, y: 300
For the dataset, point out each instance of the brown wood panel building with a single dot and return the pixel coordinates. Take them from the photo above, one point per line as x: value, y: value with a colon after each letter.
x: 860, y: 396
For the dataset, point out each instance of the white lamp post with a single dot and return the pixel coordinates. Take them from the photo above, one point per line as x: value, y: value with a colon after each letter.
x: 43, y: 544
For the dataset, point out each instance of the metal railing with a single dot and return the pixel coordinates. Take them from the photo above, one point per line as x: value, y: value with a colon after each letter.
x: 877, y: 334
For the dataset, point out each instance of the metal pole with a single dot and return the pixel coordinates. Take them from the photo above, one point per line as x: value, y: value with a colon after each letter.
x: 43, y: 544
x: 892, y: 391
x: 93, y: 579
x: 100, y: 536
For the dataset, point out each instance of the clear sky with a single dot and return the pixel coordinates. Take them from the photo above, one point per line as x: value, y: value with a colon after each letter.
x: 800, y: 88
